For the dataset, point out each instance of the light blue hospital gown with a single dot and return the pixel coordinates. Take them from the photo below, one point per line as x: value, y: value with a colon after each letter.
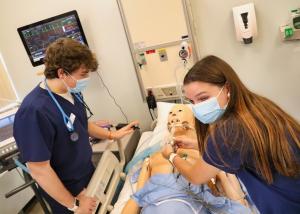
x: 172, y: 194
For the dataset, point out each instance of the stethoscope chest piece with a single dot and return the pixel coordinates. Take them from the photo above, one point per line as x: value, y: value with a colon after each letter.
x: 74, y: 136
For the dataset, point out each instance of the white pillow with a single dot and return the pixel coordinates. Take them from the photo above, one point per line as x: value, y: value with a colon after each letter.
x: 163, y: 110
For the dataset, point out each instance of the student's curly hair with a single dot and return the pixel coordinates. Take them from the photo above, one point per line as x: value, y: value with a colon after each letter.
x: 69, y: 55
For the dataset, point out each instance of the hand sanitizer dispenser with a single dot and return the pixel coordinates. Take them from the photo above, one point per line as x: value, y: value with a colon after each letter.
x: 245, y: 23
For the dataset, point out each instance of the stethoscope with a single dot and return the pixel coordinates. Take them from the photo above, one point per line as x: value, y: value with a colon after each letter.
x: 74, y: 136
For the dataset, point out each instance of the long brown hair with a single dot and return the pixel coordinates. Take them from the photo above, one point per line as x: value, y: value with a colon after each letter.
x: 269, y: 133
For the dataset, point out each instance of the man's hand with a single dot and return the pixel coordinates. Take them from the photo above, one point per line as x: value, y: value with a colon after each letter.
x: 167, y: 150
x: 125, y: 130
x: 86, y: 204
x: 103, y: 123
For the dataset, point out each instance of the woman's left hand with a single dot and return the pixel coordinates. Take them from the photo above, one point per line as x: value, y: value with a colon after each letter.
x: 125, y: 130
x: 167, y: 150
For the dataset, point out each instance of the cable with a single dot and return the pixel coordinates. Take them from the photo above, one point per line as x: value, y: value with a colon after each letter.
x: 155, y: 114
x: 22, y: 166
x: 151, y: 114
x: 186, y: 67
x: 151, y: 102
x: 105, y: 86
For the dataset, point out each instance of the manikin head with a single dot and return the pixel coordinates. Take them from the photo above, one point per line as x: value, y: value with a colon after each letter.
x: 181, y: 121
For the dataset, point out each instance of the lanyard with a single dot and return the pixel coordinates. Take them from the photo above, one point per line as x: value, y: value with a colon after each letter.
x: 79, y: 97
x: 66, y: 119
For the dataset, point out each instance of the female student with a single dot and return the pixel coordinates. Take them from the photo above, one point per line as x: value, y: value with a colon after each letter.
x: 243, y: 133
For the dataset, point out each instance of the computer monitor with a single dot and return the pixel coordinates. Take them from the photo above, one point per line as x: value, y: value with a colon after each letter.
x: 6, y: 128
x: 37, y: 36
x: 7, y: 142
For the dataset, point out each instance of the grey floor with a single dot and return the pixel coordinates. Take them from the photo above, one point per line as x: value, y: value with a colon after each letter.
x: 34, y: 208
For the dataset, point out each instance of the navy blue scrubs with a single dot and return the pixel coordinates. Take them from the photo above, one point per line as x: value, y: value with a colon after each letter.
x: 41, y: 135
x: 282, y: 196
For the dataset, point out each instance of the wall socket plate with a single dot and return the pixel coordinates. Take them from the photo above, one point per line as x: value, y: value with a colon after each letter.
x: 165, y: 92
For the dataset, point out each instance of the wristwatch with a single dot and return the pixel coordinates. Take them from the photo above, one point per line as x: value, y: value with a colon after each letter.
x: 75, y: 205
x: 171, y: 157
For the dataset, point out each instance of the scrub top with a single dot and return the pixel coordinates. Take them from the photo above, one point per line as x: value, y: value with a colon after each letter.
x: 282, y: 196
x: 41, y: 135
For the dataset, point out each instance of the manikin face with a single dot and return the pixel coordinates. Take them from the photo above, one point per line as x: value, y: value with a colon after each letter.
x: 181, y: 115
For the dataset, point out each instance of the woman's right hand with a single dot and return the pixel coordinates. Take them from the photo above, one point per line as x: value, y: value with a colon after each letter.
x: 185, y: 142
x: 86, y: 204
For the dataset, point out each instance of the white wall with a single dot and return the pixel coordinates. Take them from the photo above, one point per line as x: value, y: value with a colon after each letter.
x: 268, y: 66
x: 152, y: 23
x: 7, y: 92
x: 103, y: 27
x: 155, y: 22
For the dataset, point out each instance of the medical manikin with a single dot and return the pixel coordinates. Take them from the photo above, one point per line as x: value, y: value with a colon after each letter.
x: 161, y: 189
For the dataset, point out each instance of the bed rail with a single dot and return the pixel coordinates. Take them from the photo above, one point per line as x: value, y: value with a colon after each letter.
x: 106, y: 178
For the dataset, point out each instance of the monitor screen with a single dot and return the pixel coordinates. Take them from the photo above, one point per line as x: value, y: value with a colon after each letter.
x: 37, y: 36
x: 6, y: 128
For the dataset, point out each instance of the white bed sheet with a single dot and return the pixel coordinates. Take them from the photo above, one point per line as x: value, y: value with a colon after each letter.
x: 128, y: 188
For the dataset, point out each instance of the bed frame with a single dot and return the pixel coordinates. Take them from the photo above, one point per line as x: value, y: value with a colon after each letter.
x: 108, y: 174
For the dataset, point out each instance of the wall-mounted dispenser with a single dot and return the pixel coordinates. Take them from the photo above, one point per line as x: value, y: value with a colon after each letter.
x: 296, y: 18
x: 291, y: 30
x: 245, y: 23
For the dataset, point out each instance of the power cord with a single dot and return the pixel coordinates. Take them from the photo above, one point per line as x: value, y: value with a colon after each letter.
x: 151, y: 102
x: 112, y: 97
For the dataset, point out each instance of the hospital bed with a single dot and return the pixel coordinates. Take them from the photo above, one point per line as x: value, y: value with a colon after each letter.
x: 106, y: 178
x: 110, y: 171
x: 146, y: 141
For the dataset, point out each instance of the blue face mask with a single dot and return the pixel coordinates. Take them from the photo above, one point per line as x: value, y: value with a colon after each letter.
x: 208, y: 111
x: 80, y: 85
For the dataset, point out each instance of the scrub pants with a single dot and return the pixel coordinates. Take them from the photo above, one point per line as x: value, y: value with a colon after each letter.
x: 75, y: 189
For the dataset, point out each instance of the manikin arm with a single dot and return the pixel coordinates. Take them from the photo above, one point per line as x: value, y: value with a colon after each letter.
x: 231, y: 187
x: 198, y: 173
x: 131, y: 206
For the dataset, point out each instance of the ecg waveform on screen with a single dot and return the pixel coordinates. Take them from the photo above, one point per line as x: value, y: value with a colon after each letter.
x: 38, y: 38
